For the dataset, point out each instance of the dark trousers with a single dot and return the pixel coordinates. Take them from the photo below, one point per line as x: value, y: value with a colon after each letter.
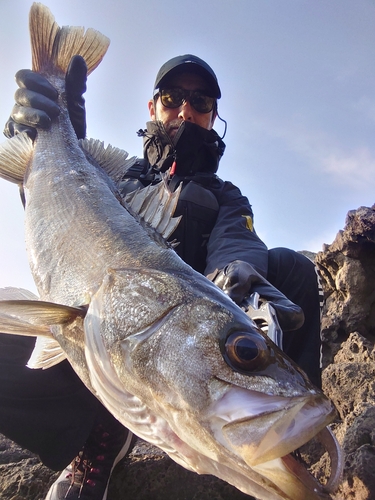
x: 296, y: 277
x: 51, y: 413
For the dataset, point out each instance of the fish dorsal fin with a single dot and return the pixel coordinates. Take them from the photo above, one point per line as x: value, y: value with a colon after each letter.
x: 153, y: 204
x: 12, y: 293
x: 53, y: 47
x: 113, y: 160
x: 156, y: 205
x: 15, y: 156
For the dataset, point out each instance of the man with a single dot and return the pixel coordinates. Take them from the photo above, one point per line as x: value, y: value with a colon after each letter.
x: 51, y: 412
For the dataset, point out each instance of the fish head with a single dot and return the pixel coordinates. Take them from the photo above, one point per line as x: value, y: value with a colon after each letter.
x: 203, y: 368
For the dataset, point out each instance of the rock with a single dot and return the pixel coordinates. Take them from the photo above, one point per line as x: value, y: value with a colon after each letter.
x: 347, y: 267
x: 149, y: 474
x: 146, y: 474
x: 22, y: 475
x: 350, y: 379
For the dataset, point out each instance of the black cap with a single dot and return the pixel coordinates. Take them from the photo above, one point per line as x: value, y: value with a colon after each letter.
x: 192, y: 64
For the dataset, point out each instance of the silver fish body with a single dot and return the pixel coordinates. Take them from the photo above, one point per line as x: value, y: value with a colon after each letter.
x: 166, y: 351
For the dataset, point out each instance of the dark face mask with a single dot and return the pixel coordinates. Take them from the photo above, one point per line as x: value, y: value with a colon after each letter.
x: 195, y: 149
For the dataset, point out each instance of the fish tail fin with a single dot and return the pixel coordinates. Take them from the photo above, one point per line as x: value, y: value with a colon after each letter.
x: 15, y: 156
x: 53, y: 47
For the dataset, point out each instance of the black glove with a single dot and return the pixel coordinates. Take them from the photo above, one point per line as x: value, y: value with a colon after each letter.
x: 238, y: 279
x: 36, y: 101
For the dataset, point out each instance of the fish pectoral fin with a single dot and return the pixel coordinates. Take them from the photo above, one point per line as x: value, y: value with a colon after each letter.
x: 47, y: 353
x: 21, y: 313
x: 21, y: 316
x: 15, y: 156
x: 18, y: 324
x: 15, y: 326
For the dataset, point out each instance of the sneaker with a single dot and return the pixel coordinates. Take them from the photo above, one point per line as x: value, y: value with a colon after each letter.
x: 87, y: 477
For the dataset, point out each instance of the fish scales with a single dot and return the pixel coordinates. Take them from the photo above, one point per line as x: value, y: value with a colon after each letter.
x: 146, y: 333
x: 102, y: 230
x: 98, y: 228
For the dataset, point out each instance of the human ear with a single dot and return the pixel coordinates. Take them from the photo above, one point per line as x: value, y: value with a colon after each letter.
x: 151, y: 109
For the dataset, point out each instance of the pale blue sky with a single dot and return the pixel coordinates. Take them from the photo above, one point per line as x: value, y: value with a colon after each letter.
x: 298, y: 92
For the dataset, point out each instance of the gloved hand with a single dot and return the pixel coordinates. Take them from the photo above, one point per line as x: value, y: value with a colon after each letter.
x: 36, y: 101
x: 238, y: 279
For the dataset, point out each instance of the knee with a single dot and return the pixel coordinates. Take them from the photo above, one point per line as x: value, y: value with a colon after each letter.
x: 285, y: 258
x: 291, y: 272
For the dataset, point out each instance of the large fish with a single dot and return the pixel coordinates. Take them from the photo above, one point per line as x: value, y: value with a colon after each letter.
x: 166, y: 351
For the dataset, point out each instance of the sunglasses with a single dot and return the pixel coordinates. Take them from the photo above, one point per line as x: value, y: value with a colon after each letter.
x: 174, y: 98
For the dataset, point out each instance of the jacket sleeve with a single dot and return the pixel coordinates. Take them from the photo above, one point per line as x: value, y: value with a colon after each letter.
x: 233, y: 236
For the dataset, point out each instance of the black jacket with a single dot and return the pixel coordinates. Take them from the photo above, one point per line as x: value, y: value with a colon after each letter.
x: 217, y: 223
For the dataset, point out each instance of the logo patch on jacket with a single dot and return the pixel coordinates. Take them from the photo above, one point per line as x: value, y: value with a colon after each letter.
x: 249, y: 222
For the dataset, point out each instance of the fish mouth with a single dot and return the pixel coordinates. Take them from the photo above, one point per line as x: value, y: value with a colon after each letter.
x: 288, y: 428
x: 261, y: 427
x: 265, y: 430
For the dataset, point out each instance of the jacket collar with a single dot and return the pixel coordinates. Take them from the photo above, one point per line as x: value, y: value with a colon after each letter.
x: 194, y: 149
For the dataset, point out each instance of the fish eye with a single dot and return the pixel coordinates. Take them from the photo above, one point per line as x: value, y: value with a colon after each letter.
x: 246, y: 351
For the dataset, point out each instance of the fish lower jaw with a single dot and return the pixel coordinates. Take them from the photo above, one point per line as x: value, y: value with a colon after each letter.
x: 292, y: 476
x: 272, y: 435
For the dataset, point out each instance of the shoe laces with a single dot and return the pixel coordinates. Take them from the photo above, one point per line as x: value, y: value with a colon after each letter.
x: 91, y: 461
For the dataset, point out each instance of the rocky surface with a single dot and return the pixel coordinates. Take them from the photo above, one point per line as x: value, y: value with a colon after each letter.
x: 347, y: 267
x: 146, y: 474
